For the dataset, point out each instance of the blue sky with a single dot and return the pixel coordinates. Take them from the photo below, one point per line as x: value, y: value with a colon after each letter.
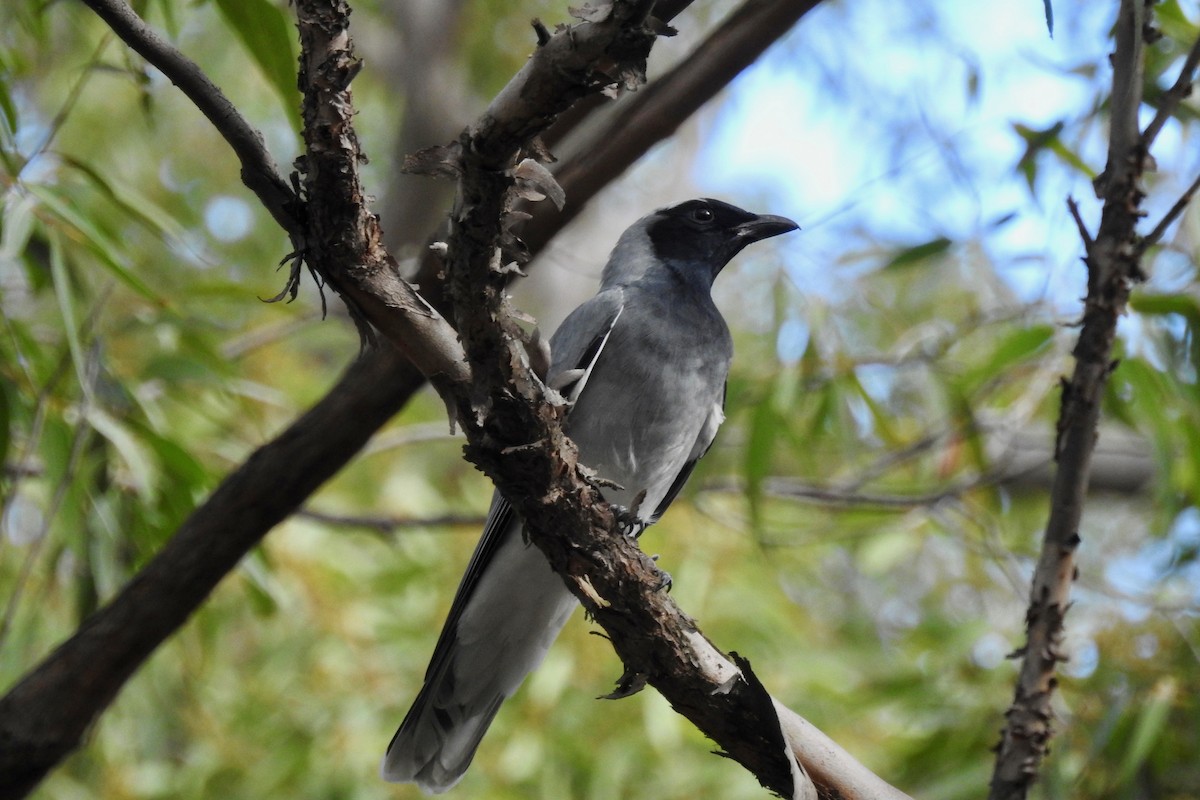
x: 825, y: 147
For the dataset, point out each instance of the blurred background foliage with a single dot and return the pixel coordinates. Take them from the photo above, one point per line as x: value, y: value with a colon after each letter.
x: 863, y: 531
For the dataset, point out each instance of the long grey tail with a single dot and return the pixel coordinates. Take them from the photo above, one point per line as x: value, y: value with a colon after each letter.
x: 513, y: 613
x: 435, y: 744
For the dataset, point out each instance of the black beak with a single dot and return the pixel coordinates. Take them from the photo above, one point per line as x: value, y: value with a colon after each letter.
x: 764, y: 226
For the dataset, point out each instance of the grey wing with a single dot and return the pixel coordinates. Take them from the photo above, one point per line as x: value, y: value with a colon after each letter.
x: 576, y: 345
x: 574, y: 349
x: 716, y: 415
x: 499, y: 517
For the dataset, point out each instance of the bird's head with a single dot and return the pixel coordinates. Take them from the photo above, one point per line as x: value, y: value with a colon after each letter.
x: 698, y: 237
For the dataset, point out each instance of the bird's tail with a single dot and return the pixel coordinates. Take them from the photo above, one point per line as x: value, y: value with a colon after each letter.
x: 507, y: 623
x: 436, y: 742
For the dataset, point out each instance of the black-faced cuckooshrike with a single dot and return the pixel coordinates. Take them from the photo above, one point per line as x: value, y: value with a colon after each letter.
x: 644, y: 364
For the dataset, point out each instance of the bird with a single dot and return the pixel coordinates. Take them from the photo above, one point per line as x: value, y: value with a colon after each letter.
x: 643, y: 366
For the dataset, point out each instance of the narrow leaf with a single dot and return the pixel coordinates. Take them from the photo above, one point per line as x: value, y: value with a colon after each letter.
x: 919, y: 253
x: 63, y: 293
x: 267, y: 36
x: 98, y: 242
x: 1147, y: 729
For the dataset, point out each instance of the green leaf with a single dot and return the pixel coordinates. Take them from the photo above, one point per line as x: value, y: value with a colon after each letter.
x: 1035, y: 142
x: 141, y: 467
x: 17, y: 225
x: 1147, y: 729
x: 98, y: 242
x: 1162, y: 304
x: 8, y: 111
x: 764, y: 427
x: 879, y: 415
x: 1070, y: 158
x: 1173, y: 22
x: 1016, y: 347
x: 266, y: 34
x: 919, y: 253
x: 185, y: 469
x: 64, y: 294
x: 136, y: 206
x: 264, y: 591
x: 5, y: 423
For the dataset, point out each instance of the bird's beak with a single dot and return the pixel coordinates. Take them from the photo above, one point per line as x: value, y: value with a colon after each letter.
x: 764, y: 226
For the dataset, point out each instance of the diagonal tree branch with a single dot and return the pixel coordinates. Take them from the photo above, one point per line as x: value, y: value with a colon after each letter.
x: 1171, y: 98
x: 44, y: 716
x: 656, y: 112
x: 1113, y: 267
x: 258, y: 169
x: 1173, y: 213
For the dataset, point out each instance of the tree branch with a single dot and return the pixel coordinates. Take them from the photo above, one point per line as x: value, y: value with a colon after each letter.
x: 258, y: 169
x: 392, y: 524
x: 507, y: 410
x: 44, y: 716
x: 1170, y: 99
x: 1112, y: 263
x: 1152, y: 238
x: 656, y: 111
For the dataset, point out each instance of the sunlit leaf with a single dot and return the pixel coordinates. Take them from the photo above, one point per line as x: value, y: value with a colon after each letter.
x: 920, y: 253
x: 1014, y: 348
x: 64, y: 293
x: 1151, y: 719
x: 18, y: 224
x: 269, y: 38
x: 1184, y: 305
x: 133, y: 453
x: 99, y: 243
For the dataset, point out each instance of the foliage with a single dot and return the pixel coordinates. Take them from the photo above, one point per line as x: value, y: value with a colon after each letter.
x: 854, y: 533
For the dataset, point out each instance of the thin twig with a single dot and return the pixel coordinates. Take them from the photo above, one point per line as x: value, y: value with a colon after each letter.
x: 1113, y: 267
x: 1171, y: 98
x: 1084, y: 234
x: 392, y: 524
x: 258, y: 168
x: 1152, y: 238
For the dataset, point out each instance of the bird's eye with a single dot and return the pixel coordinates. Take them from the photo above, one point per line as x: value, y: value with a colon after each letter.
x: 703, y: 214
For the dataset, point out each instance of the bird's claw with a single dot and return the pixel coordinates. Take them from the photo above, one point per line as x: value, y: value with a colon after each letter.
x: 628, y: 519
x: 665, y: 581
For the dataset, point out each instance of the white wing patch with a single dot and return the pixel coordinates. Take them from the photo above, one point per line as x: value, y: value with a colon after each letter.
x: 712, y: 422
x: 577, y: 378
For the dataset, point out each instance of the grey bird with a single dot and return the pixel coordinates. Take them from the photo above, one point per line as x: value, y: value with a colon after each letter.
x: 643, y: 365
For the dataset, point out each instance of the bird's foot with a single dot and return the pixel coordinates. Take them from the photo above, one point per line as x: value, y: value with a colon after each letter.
x: 665, y: 581
x: 628, y: 519
x: 594, y: 478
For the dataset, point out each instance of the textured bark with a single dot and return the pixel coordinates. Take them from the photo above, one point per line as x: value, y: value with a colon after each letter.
x: 1112, y: 260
